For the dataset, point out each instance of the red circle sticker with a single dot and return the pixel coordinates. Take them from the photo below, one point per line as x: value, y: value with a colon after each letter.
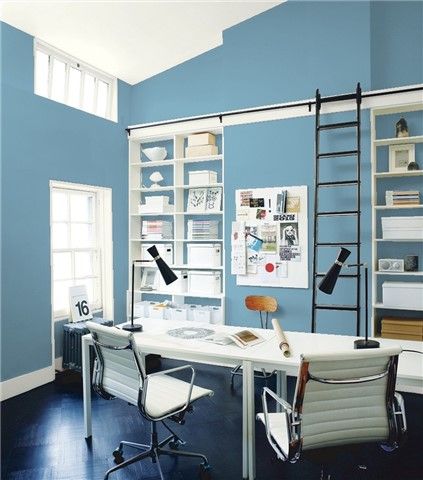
x: 269, y: 267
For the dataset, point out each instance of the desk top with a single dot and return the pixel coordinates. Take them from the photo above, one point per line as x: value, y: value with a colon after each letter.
x: 154, y: 339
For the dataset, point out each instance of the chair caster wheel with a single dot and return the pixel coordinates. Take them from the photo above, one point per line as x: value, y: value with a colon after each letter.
x: 117, y: 454
x: 205, y: 471
x: 174, y: 445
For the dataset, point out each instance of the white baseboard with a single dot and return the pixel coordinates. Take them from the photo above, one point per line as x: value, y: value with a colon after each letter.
x: 24, y: 383
x: 58, y: 364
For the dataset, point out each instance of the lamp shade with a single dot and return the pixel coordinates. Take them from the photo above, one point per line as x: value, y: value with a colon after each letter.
x: 329, y: 280
x: 166, y: 272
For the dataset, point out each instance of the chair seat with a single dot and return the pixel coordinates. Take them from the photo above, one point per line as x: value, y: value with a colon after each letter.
x: 278, y: 429
x: 167, y: 394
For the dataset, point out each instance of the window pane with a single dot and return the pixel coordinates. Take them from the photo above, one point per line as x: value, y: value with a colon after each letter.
x: 102, y: 97
x: 59, y: 206
x: 74, y: 88
x: 82, y: 235
x: 41, y: 73
x: 89, y: 284
x: 88, y: 100
x: 59, y: 236
x: 62, y: 266
x: 61, y: 295
x: 81, y: 207
x: 84, y: 264
x: 58, y: 80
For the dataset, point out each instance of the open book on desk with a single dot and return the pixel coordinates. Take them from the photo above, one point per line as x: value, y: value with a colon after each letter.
x: 243, y: 338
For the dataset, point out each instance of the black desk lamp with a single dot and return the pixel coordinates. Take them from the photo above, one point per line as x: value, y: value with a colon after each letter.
x: 167, y: 274
x: 328, y: 283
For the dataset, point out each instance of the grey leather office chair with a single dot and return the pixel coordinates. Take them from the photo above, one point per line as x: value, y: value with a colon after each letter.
x: 119, y: 372
x: 340, y: 399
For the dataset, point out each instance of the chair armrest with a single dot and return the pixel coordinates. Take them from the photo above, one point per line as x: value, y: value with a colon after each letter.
x: 287, y: 410
x: 168, y: 372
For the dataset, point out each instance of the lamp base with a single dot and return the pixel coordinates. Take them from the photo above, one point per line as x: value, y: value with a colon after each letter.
x: 363, y: 343
x: 132, y: 327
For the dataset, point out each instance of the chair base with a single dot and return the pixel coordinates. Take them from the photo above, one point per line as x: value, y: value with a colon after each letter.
x: 154, y: 450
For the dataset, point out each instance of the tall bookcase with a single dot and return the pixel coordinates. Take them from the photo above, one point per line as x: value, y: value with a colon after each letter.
x: 383, y: 122
x: 175, y: 171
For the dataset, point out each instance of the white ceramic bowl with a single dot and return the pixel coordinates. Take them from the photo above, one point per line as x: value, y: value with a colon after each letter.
x: 155, y: 154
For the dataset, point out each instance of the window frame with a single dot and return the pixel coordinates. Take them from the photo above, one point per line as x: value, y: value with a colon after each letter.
x: 103, y: 248
x: 84, y: 68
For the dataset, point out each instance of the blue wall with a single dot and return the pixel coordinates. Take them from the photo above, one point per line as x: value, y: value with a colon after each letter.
x: 283, y: 55
x: 43, y: 140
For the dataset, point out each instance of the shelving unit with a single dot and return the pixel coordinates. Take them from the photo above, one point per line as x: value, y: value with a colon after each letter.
x: 381, y: 177
x: 175, y: 185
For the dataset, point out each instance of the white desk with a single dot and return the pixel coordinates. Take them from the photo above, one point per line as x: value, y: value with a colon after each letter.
x: 265, y: 355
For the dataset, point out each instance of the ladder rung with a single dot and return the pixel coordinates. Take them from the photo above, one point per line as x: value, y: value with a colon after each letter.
x: 338, y: 98
x: 345, y: 153
x: 337, y: 214
x: 332, y: 126
x: 337, y: 244
x: 338, y: 184
x: 351, y: 308
x: 342, y: 275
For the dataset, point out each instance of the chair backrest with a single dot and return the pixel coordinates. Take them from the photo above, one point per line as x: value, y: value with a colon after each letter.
x: 345, y: 398
x: 119, y: 370
x: 261, y: 303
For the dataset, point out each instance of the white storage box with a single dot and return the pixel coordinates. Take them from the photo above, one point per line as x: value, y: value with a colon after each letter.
x: 201, y: 139
x: 201, y: 151
x: 202, y: 314
x: 406, y: 295
x: 399, y: 228
x: 204, y: 254
x: 154, y: 311
x: 178, y: 286
x: 144, y: 208
x: 165, y: 251
x: 201, y: 177
x: 157, y: 200
x: 207, y: 283
x: 216, y: 315
x: 140, y: 309
x: 178, y: 314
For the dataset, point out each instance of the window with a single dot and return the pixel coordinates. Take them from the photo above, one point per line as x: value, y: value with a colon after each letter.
x: 81, y: 245
x: 67, y: 80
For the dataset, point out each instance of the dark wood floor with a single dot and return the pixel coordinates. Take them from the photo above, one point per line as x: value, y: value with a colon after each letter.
x: 42, y: 438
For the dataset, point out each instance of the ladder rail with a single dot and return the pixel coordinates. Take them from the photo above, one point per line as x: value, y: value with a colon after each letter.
x: 356, y: 276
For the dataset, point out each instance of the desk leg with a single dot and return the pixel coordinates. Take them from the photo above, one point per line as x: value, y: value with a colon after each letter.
x: 244, y: 422
x: 249, y: 378
x: 86, y: 387
x: 281, y: 387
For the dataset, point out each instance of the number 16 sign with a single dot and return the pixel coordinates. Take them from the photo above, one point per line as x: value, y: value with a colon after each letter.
x: 78, y: 298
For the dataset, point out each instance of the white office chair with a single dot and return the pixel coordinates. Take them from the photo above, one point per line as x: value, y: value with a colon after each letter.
x: 119, y: 372
x: 340, y: 399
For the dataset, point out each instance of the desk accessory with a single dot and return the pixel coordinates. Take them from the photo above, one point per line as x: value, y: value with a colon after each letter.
x: 283, y: 341
x: 328, y: 283
x: 190, y: 333
x: 246, y: 338
x: 167, y: 274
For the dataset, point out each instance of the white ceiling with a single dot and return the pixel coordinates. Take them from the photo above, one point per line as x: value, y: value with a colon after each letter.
x: 132, y: 40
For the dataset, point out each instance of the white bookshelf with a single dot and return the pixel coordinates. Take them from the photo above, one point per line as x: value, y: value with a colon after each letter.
x: 176, y: 168
x: 378, y: 186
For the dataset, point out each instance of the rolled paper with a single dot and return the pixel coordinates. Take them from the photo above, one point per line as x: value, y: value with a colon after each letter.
x: 280, y: 335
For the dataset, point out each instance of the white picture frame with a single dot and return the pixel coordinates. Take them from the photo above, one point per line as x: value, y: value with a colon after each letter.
x: 196, y: 202
x: 149, y: 279
x: 400, y: 156
x: 214, y: 199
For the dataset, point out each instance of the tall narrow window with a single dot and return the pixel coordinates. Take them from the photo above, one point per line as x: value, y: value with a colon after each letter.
x: 80, y: 242
x: 65, y: 79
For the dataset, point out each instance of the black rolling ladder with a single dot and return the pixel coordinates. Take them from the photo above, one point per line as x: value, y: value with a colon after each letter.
x: 355, y: 243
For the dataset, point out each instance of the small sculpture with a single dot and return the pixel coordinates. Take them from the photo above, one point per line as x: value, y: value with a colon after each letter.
x: 401, y: 128
x: 156, y: 177
x: 413, y: 166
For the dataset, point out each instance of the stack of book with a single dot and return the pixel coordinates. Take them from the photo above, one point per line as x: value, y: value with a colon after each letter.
x: 156, y: 229
x: 404, y: 197
x: 402, y: 328
x: 202, y: 229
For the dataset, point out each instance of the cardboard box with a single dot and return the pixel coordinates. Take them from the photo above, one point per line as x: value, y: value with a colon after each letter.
x: 201, y: 177
x: 201, y: 151
x: 204, y: 254
x: 399, y: 228
x: 198, y: 139
x: 408, y: 295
